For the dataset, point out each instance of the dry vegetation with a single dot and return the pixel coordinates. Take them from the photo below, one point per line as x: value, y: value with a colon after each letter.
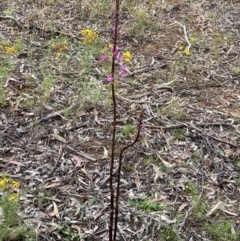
x: 181, y: 181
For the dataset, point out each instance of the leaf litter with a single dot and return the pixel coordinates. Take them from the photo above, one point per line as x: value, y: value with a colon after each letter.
x: 58, y: 147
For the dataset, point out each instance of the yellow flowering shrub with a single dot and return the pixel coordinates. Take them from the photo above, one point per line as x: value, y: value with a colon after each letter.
x: 89, y: 36
x: 7, y: 185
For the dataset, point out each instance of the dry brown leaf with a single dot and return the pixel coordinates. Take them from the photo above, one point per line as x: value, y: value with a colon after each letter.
x: 214, y: 176
x: 153, y: 200
x: 230, y: 153
x: 8, y: 80
x: 217, y: 206
x: 55, y: 210
x: 157, y: 173
x: 232, y: 201
x: 178, y: 160
x: 84, y: 171
x: 184, y: 170
x: 138, y: 183
x: 100, y: 212
x: 165, y: 163
x: 79, y: 160
x: 105, y: 153
x: 229, y: 212
x: 163, y: 198
x: 55, y: 184
x: 80, y: 180
x: 207, y: 163
x: 96, y: 116
x: 11, y: 161
x: 166, y: 219
x: 58, y: 137
x: 182, y: 207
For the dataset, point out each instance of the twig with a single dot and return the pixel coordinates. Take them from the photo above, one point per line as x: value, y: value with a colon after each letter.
x: 188, y: 213
x: 139, y: 101
x: 80, y: 153
x: 202, y: 132
x: 107, y: 178
x: 191, y: 208
x: 12, y: 18
x: 185, y: 34
x: 54, y: 114
x: 143, y: 70
x: 59, y: 158
x: 182, y: 125
x: 31, y: 25
x: 122, y: 235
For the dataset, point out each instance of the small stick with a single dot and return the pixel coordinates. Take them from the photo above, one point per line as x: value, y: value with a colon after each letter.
x: 185, y: 34
x: 213, y: 137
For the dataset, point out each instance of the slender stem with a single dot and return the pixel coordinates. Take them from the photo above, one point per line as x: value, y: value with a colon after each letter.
x: 119, y: 170
x: 116, y: 22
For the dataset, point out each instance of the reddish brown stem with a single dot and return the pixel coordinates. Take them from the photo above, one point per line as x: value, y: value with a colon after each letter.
x: 116, y: 22
x: 120, y: 168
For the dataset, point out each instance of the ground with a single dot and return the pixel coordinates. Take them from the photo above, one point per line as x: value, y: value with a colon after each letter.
x: 181, y: 180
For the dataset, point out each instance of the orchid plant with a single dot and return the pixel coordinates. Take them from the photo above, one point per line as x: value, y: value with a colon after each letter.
x: 119, y: 58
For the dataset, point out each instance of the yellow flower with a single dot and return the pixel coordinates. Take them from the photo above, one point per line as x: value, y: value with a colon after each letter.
x: 186, y: 51
x: 89, y: 36
x: 4, y: 183
x: 8, y: 183
x: 15, y: 184
x: 180, y: 47
x: 192, y: 39
x: 110, y: 46
x: 14, y: 197
x: 60, y: 46
x: 10, y: 50
x: 127, y: 56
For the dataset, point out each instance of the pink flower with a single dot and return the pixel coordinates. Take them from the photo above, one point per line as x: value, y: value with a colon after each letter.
x: 103, y: 58
x: 123, y: 71
x: 110, y: 78
x: 116, y: 52
x: 120, y: 57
